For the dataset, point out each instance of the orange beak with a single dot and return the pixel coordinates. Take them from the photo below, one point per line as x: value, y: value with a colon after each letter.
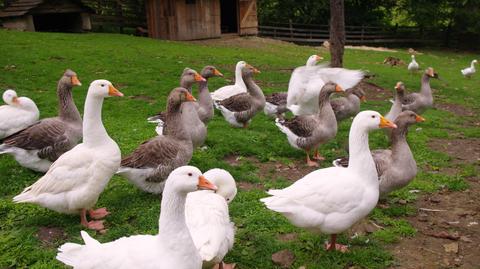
x: 338, y: 88
x: 15, y: 100
x: 199, y: 78
x: 384, y: 123
x: 112, y: 91
x: 318, y: 58
x: 189, y: 97
x: 363, y: 98
x: 204, y: 184
x: 217, y: 73
x: 419, y: 118
x: 75, y: 81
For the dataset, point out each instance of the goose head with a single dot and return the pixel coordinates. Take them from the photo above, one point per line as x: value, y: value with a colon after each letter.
x: 224, y: 182
x: 10, y: 97
x: 400, y: 87
x: 240, y: 65
x: 186, y: 179
x: 331, y: 87
x: 431, y: 73
x: 474, y: 62
x: 313, y: 60
x: 407, y: 118
x: 210, y: 71
x: 103, y: 88
x: 248, y: 71
x: 369, y: 120
x: 413, y: 57
x: 70, y: 79
x: 177, y: 96
x: 191, y: 76
x: 359, y: 92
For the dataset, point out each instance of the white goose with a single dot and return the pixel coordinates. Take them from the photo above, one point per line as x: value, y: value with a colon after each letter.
x: 17, y: 114
x: 302, y: 98
x: 331, y: 200
x: 230, y: 90
x: 208, y: 220
x: 74, y: 182
x: 413, y: 65
x: 276, y: 103
x: 172, y: 247
x: 469, y: 71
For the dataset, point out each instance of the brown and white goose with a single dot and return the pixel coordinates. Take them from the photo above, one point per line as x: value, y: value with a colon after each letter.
x: 238, y: 110
x: 149, y: 165
x: 187, y: 79
x: 307, y: 132
x: 37, y: 146
x: 349, y: 106
x: 396, y: 167
x: 418, y: 102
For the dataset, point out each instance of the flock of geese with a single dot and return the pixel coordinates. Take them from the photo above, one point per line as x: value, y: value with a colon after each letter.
x: 195, y: 230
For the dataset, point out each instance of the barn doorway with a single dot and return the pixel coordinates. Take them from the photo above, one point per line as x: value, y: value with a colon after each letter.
x: 229, y: 16
x: 58, y: 22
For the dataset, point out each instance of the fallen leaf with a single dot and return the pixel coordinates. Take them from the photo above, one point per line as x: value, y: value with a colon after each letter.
x: 452, y: 247
x: 444, y: 234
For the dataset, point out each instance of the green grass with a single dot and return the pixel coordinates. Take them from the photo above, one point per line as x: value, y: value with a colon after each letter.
x: 33, y: 62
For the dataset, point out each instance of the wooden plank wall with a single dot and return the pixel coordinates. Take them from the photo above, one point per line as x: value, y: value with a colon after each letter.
x: 248, y: 20
x: 177, y: 20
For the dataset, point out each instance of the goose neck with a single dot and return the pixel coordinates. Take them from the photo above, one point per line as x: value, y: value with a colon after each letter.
x: 187, y: 84
x: 67, y: 109
x: 94, y: 132
x: 360, y: 156
x: 172, y: 215
x: 426, y: 85
x: 238, y: 78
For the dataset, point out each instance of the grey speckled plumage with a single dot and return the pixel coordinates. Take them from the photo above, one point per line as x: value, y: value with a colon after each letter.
x: 418, y: 102
x: 51, y: 137
x: 349, y: 106
x: 313, y: 130
x: 241, y: 108
x: 276, y: 103
x: 396, y: 167
x: 149, y: 165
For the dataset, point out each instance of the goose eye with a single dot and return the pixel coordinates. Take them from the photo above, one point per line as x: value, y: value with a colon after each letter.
x: 189, y: 174
x: 373, y: 116
x: 102, y: 85
x: 228, y: 199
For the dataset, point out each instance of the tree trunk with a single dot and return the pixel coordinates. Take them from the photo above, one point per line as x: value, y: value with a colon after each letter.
x: 337, y: 32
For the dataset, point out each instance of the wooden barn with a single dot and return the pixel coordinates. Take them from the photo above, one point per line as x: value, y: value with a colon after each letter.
x: 200, y: 19
x: 46, y: 15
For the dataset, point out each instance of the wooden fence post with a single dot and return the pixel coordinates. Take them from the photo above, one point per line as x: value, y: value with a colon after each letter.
x: 291, y: 28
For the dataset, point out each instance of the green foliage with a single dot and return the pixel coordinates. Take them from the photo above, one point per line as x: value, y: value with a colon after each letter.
x: 32, y: 63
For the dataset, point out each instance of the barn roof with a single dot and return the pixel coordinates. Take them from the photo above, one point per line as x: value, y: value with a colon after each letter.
x: 22, y: 7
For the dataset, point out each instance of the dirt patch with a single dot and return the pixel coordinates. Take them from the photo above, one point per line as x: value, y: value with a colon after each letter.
x: 288, y: 237
x: 142, y: 97
x: 271, y: 170
x: 50, y: 235
x: 462, y: 150
x: 242, y: 42
x: 370, y: 48
x: 445, y: 238
x: 456, y: 109
x: 374, y: 92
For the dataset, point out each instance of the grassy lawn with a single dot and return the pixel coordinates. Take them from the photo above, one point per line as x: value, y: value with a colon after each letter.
x: 145, y: 70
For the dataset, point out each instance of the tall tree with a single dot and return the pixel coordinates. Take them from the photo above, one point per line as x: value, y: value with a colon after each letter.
x: 337, y: 32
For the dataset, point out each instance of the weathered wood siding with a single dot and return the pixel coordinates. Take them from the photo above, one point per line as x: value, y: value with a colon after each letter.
x: 248, y: 20
x: 179, y: 20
